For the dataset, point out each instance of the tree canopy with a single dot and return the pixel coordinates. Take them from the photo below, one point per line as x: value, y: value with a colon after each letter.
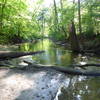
x: 30, y: 19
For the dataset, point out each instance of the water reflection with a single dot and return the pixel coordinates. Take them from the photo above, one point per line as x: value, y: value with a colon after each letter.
x: 53, y: 55
x: 81, y: 88
x: 56, y: 55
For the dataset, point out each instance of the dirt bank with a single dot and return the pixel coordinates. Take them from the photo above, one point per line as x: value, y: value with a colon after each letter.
x: 30, y: 85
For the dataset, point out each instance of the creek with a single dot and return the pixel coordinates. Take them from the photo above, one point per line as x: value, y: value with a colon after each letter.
x: 48, y: 84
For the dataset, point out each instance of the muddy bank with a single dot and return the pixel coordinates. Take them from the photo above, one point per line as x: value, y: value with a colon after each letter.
x: 36, y: 84
x: 30, y: 85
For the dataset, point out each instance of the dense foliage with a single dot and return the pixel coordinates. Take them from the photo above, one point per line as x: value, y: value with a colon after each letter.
x: 30, y: 19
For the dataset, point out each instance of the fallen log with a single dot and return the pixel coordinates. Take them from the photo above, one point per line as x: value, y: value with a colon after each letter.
x: 96, y: 52
x: 9, y: 55
x: 86, y: 65
x: 65, y: 70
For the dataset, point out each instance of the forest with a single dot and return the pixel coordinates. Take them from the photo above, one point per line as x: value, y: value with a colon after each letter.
x: 53, y: 44
x: 27, y: 20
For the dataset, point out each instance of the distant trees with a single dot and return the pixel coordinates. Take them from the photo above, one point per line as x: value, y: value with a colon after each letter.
x: 90, y: 17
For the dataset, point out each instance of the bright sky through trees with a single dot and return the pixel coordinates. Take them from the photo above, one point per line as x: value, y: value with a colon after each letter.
x: 46, y: 3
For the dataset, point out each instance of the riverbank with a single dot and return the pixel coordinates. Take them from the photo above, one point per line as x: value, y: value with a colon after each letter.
x: 30, y: 85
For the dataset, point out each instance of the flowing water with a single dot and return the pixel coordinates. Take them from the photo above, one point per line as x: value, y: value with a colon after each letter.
x: 52, y: 85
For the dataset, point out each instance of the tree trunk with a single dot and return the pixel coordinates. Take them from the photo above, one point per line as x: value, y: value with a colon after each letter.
x: 62, y: 27
x: 73, y: 38
x: 2, y: 14
x: 72, y: 34
x: 43, y: 25
x: 55, y: 16
x: 79, y: 17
